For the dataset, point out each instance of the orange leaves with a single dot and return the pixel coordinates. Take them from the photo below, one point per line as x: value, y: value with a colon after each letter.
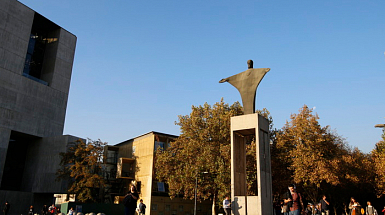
x: 309, y: 150
x: 82, y: 162
x: 378, y: 155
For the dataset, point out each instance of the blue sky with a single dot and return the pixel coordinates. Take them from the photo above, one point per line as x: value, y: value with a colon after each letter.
x: 140, y: 64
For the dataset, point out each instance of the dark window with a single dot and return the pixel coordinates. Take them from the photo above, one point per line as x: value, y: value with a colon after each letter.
x: 41, y: 48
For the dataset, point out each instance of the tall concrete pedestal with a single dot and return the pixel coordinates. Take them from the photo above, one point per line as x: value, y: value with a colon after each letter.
x: 243, y: 128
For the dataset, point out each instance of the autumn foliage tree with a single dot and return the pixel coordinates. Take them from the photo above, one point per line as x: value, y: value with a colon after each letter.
x: 203, y: 146
x: 320, y: 162
x: 378, y: 155
x: 309, y: 152
x: 81, y: 165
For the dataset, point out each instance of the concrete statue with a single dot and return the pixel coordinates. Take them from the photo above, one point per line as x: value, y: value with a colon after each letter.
x: 246, y: 83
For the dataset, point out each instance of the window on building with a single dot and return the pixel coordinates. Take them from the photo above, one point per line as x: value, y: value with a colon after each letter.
x: 161, y: 187
x: 159, y: 145
x: 42, y: 48
x: 112, y: 157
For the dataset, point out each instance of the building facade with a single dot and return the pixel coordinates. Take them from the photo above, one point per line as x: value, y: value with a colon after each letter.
x: 36, y: 58
x: 132, y: 161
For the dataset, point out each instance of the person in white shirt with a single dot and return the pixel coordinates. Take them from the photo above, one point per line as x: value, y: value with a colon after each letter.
x: 226, y: 206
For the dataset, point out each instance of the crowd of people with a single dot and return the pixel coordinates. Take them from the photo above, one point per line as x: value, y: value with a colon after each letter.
x: 293, y: 204
x: 130, y: 203
x: 51, y: 210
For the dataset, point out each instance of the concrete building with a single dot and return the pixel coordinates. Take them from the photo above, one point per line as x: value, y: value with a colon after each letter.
x: 132, y: 161
x: 36, y: 58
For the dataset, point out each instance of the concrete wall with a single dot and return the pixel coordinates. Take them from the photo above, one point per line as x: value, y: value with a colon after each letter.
x: 242, y: 127
x: 30, y: 109
x: 144, y: 154
x: 19, y: 201
x: 43, y: 161
x: 4, y: 141
x: 26, y: 105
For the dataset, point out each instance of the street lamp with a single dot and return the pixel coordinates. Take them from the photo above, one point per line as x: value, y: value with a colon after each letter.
x: 196, y: 187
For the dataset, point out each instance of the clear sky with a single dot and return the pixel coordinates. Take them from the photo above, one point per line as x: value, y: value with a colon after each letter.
x: 139, y: 64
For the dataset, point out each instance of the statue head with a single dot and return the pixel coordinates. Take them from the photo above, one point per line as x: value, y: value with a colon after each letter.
x: 249, y: 64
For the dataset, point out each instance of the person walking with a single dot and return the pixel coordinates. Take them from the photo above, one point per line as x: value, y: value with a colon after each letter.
x: 227, y: 206
x: 294, y: 200
x: 142, y: 207
x: 324, y: 205
x: 130, y: 201
x: 7, y: 206
x: 370, y: 210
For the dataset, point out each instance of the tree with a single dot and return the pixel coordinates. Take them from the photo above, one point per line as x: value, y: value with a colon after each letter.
x: 356, y: 177
x: 81, y: 165
x: 308, y: 152
x: 378, y: 155
x: 203, y: 146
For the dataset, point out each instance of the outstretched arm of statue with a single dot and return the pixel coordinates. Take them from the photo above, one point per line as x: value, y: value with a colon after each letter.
x: 223, y: 80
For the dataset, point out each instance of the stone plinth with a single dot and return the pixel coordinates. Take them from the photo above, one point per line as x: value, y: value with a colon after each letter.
x: 243, y: 128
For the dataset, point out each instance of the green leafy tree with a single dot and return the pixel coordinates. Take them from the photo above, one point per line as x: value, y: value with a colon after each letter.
x: 203, y: 146
x: 81, y: 165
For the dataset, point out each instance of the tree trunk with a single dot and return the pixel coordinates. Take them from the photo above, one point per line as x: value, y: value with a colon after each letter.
x: 213, y: 209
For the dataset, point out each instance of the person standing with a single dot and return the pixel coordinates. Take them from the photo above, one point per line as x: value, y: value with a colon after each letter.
x: 71, y: 211
x: 7, y: 206
x: 318, y: 209
x: 354, y: 206
x: 227, y: 206
x: 142, y: 207
x: 52, y: 209
x: 324, y: 205
x: 370, y: 210
x: 44, y: 210
x: 30, y: 212
x: 130, y: 201
x: 294, y: 200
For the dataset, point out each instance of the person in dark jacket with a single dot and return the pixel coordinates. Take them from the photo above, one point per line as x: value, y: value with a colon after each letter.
x: 142, y: 208
x: 44, y: 210
x: 7, y: 206
x: 130, y: 201
x: 30, y: 212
